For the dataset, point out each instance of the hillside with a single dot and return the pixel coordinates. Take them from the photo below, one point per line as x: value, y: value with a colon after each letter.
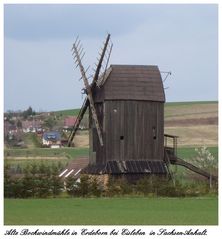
x: 196, y: 123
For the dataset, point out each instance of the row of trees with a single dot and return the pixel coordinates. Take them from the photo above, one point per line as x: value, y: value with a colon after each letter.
x: 36, y: 181
x: 146, y: 186
x: 43, y: 181
x: 50, y: 185
x: 25, y: 114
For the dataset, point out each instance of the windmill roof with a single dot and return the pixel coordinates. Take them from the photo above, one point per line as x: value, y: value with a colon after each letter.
x: 130, y: 82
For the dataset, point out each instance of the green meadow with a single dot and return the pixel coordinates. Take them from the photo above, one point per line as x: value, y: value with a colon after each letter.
x: 112, y: 211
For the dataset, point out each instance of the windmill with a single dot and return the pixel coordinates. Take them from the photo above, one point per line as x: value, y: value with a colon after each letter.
x: 77, y: 51
x: 126, y: 119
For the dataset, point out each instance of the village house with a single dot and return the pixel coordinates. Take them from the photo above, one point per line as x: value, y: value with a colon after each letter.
x: 31, y: 126
x: 9, y: 129
x: 69, y: 123
x: 51, y: 139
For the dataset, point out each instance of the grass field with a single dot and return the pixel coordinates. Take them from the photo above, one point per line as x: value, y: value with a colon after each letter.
x: 189, y: 153
x: 59, y: 152
x: 35, y: 154
x: 167, y: 106
x: 111, y: 211
x: 194, y: 122
x: 190, y: 110
x: 68, y: 112
x: 23, y: 157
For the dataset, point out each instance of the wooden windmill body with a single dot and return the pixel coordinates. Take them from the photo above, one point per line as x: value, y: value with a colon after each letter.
x: 129, y: 103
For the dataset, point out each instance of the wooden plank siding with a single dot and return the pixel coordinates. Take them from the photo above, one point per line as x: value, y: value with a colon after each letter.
x: 128, y: 131
x: 130, y: 109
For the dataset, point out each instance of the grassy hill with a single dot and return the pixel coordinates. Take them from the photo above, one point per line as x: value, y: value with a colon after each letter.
x: 68, y: 112
x: 188, y: 120
x: 167, y: 106
x: 196, y: 123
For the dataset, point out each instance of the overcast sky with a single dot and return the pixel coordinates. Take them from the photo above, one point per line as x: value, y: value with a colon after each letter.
x: 40, y: 72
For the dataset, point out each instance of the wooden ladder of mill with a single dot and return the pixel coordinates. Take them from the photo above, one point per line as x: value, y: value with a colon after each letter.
x: 170, y: 157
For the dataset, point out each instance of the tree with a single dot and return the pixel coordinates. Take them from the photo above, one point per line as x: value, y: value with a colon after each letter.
x: 43, y: 186
x: 56, y: 184
x: 28, y: 112
x: 49, y: 123
x: 19, y: 124
x: 30, y: 181
x: 95, y: 188
x: 7, y: 183
x: 71, y: 186
x: 206, y: 161
x: 84, y: 185
x: 27, y: 190
x: 17, y: 188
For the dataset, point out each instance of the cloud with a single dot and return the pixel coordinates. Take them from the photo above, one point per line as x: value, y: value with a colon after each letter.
x: 59, y: 21
x: 38, y: 22
x: 41, y: 75
x: 39, y: 69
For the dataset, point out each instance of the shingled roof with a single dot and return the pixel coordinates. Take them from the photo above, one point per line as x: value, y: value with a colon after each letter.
x: 129, y: 166
x: 130, y: 82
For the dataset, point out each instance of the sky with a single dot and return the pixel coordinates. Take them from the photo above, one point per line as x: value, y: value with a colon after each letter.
x: 39, y: 69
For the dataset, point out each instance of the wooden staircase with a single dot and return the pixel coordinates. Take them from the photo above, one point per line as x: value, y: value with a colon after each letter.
x: 193, y: 168
x: 170, y: 157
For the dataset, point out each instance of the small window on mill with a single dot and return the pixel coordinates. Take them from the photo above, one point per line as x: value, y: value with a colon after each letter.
x: 154, y: 132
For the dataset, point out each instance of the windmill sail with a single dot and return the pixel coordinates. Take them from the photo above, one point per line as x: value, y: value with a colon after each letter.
x: 78, y: 121
x: 77, y: 52
x: 89, y: 92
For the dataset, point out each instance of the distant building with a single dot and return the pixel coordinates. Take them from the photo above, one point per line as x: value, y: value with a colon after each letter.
x: 9, y: 129
x: 6, y: 127
x: 31, y: 126
x: 51, y: 139
x: 69, y: 122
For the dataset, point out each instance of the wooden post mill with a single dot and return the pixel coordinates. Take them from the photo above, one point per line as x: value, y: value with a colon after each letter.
x: 126, y: 119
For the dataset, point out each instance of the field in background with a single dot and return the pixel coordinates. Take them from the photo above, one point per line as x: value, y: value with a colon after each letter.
x: 64, y: 155
x: 23, y: 157
x: 112, y: 211
x: 73, y: 112
x: 196, y: 123
x: 171, y: 108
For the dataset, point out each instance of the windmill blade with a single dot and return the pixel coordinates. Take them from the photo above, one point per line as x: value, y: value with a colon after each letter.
x: 100, y: 61
x: 107, y: 62
x: 89, y: 93
x: 78, y: 121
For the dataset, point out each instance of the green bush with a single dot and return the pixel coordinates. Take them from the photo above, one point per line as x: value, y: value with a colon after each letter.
x: 35, y: 181
x: 41, y: 181
x: 84, y: 187
x: 71, y: 186
x: 95, y: 188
